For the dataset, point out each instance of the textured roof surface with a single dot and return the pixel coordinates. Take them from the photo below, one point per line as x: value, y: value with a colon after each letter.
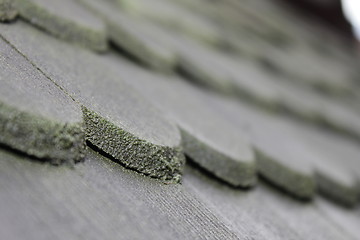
x: 185, y: 119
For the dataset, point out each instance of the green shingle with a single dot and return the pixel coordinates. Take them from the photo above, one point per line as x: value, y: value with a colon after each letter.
x: 263, y: 212
x: 209, y: 139
x: 132, y: 36
x: 7, y: 10
x: 174, y: 17
x: 36, y: 117
x: 282, y: 159
x: 338, y: 173
x: 65, y: 19
x: 117, y: 119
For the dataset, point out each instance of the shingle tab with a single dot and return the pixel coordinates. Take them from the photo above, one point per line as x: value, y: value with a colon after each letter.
x: 117, y: 119
x: 65, y: 19
x: 36, y: 117
x: 338, y: 170
x: 7, y: 10
x: 291, y: 154
x: 232, y: 75
x: 288, y: 112
x: 208, y: 138
x: 132, y: 35
x: 282, y: 159
x: 322, y: 73
x: 264, y: 213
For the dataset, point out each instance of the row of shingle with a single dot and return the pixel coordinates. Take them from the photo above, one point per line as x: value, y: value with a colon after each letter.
x: 221, y: 146
x: 267, y: 214
x: 282, y: 154
x: 100, y: 199
x: 234, y: 75
x: 214, y: 145
x: 214, y: 25
x: 277, y: 35
x: 112, y: 117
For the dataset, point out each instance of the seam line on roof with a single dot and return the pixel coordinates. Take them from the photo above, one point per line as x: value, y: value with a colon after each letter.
x: 39, y: 69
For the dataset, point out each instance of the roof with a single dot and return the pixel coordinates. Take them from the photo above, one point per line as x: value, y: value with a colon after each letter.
x: 176, y: 119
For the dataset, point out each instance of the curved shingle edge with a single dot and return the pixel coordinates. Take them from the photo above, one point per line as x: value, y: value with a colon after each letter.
x: 232, y: 171
x: 295, y: 183
x: 95, y: 39
x: 162, y: 162
x: 41, y: 137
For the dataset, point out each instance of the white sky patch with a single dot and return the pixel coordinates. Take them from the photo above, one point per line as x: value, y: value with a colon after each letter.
x: 352, y: 12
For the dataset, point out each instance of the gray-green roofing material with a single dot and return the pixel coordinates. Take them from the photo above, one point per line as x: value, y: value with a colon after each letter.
x: 323, y: 73
x: 281, y: 159
x: 65, y: 19
x: 346, y: 219
x: 36, y: 117
x: 338, y: 173
x: 8, y: 11
x: 332, y: 179
x: 247, y: 213
x: 174, y: 17
x: 329, y: 66
x: 108, y: 201
x: 208, y: 139
x: 232, y: 75
x: 264, y: 213
x: 287, y: 162
x: 297, y: 153
x: 244, y: 78
x: 117, y: 119
x: 132, y: 35
x: 98, y: 199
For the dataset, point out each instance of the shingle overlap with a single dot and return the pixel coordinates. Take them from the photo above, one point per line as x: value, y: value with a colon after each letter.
x: 117, y: 119
x: 66, y: 20
x: 242, y: 88
x: 37, y: 118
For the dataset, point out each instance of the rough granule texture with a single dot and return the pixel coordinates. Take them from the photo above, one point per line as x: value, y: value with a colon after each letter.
x: 67, y: 20
x: 156, y: 161
x: 294, y: 182
x: 7, y: 10
x: 153, y: 140
x: 234, y: 172
x: 208, y: 139
x: 41, y: 137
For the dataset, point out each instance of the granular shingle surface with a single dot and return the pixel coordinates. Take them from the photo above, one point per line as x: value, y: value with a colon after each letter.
x: 7, y: 10
x: 216, y: 145
x: 36, y: 116
x: 196, y: 119
x: 117, y: 119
